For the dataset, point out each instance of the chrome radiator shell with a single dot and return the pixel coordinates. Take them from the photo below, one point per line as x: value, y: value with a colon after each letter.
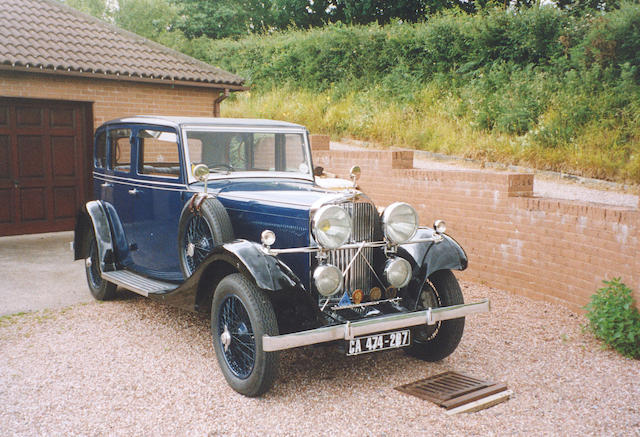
x: 365, y: 225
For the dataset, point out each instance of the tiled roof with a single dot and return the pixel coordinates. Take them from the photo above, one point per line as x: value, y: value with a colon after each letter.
x: 49, y: 36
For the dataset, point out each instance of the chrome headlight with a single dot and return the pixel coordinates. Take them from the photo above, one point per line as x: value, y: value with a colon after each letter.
x: 328, y: 279
x: 399, y: 222
x: 397, y: 271
x: 331, y: 226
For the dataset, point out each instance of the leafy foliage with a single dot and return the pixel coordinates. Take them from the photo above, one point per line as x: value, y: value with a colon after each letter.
x: 530, y: 80
x: 234, y: 18
x: 159, y: 16
x: 614, y: 319
x: 553, y: 88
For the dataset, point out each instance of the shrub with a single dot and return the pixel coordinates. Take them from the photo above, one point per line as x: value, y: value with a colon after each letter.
x: 536, y: 87
x: 614, y: 319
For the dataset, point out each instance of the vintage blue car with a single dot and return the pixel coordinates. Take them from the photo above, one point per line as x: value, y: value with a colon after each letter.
x: 229, y: 216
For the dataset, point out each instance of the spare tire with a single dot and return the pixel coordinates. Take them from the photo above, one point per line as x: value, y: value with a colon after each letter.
x: 203, y: 226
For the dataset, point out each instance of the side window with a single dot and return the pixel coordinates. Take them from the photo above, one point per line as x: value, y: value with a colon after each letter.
x: 158, y: 153
x: 120, y: 149
x: 100, y: 155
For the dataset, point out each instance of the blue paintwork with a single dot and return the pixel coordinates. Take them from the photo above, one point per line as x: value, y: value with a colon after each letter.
x: 282, y: 206
x: 145, y: 225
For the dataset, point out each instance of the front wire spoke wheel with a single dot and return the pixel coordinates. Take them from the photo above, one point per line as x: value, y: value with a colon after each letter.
x: 435, y: 342
x: 241, y: 314
x: 240, y: 355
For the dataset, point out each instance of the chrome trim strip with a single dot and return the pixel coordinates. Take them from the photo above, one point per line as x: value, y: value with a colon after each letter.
x: 150, y: 186
x: 113, y: 178
x: 350, y: 330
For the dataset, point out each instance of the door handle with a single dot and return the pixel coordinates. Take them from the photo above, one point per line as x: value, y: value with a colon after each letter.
x: 133, y: 191
x: 16, y: 184
x: 106, y: 185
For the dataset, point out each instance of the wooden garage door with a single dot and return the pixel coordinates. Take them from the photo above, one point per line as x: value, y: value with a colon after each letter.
x: 43, y: 164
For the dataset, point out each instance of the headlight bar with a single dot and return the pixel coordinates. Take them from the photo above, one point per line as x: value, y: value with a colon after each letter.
x: 436, y: 238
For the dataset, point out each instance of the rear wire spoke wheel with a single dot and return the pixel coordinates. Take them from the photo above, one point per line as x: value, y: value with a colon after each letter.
x: 240, y: 315
x: 100, y: 289
x: 436, y: 342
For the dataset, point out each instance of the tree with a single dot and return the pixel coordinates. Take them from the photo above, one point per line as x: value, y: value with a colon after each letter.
x: 148, y: 18
x: 97, y: 8
x: 223, y: 18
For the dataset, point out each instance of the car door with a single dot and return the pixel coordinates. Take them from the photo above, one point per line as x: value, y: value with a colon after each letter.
x: 157, y: 201
x: 117, y: 186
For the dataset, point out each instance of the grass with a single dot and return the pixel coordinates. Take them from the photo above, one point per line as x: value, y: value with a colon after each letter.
x: 539, y: 87
x: 10, y: 319
x: 430, y: 122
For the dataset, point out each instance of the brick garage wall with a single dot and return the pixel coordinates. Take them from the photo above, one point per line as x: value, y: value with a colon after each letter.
x: 111, y: 99
x: 546, y: 249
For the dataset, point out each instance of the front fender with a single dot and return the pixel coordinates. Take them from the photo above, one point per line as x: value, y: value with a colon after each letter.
x: 267, y: 271
x: 431, y: 257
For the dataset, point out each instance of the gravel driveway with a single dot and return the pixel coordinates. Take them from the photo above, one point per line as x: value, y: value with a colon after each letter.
x: 137, y: 367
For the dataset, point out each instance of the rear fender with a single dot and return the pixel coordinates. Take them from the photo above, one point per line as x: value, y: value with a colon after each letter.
x: 94, y: 216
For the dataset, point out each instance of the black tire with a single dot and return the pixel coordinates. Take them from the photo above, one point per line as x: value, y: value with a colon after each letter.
x: 435, y: 342
x: 237, y: 302
x: 99, y: 288
x: 200, y: 232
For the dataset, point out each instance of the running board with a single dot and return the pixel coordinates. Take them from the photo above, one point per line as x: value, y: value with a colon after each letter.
x: 138, y: 283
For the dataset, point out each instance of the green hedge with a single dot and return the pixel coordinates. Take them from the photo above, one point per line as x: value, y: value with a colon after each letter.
x: 565, y: 90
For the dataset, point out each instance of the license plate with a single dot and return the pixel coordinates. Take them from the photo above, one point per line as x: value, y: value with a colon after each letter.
x: 379, y: 342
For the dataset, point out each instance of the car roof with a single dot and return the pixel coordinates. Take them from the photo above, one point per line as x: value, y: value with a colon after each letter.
x: 204, y: 121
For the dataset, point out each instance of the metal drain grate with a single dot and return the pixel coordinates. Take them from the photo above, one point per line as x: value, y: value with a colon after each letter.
x: 451, y: 389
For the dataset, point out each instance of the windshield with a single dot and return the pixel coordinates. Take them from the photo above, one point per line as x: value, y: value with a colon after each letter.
x: 231, y: 152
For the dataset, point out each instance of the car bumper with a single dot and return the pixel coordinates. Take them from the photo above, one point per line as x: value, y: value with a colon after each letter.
x: 358, y: 328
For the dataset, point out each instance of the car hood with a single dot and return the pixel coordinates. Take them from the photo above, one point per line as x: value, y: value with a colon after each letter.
x: 292, y: 194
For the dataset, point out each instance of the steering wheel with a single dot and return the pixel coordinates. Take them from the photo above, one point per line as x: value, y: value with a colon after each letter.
x: 220, y: 165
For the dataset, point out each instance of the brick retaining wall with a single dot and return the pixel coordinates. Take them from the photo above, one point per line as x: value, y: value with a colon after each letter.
x: 547, y: 249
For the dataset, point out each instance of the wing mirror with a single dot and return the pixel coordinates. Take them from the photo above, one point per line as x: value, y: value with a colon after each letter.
x: 355, y: 175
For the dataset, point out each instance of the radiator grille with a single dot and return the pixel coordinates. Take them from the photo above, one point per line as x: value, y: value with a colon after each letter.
x: 364, y: 218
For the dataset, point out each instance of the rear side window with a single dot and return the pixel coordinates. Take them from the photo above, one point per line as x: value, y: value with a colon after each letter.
x: 100, y: 156
x: 120, y: 144
x: 158, y: 153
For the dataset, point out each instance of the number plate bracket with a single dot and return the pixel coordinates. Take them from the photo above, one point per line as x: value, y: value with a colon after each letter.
x: 378, y: 342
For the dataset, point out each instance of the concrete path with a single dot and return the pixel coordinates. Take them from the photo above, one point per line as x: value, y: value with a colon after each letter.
x: 38, y: 272
x: 545, y: 184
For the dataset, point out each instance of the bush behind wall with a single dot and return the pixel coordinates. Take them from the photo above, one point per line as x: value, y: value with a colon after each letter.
x: 553, y: 90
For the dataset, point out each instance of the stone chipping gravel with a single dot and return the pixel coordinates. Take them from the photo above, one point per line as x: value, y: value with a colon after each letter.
x: 136, y: 367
